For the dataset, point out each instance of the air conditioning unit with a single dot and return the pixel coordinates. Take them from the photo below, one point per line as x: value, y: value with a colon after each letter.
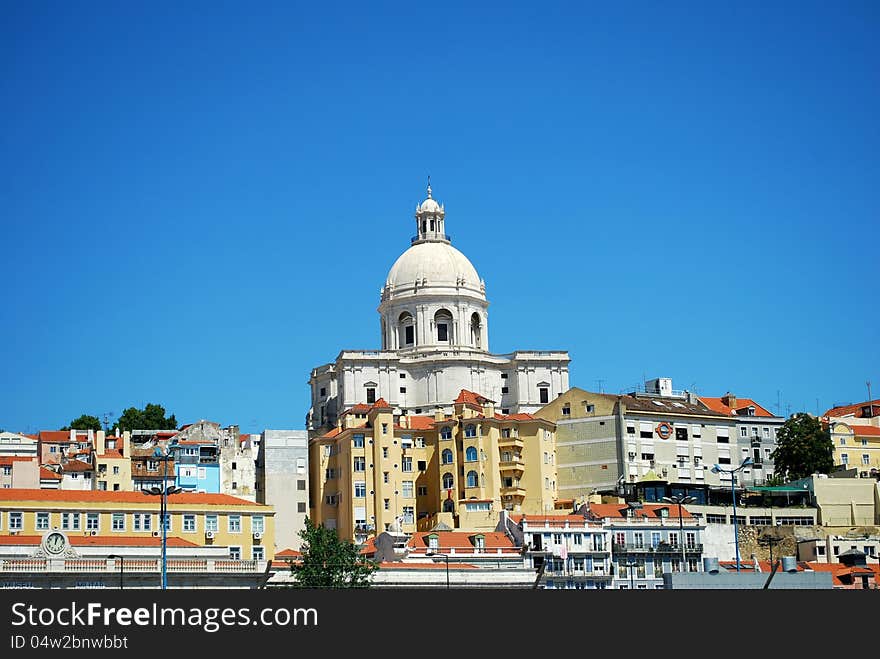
x: 209, y: 535
x: 258, y: 535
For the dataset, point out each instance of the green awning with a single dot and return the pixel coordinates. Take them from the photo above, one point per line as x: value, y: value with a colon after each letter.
x: 779, y: 489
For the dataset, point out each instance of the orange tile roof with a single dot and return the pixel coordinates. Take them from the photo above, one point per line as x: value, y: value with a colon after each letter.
x: 112, y: 454
x: 49, y: 474
x: 102, y: 496
x: 7, y: 460
x: 471, y: 398
x: 333, y: 433
x: 551, y: 520
x: 54, y: 436
x: 839, y: 570
x: 101, y: 541
x: 718, y: 405
x: 420, y: 422
x: 357, y: 408
x: 24, y: 434
x: 652, y: 510
x: 521, y: 417
x: 401, y: 565
x: 851, y: 410
x: 76, y: 465
x: 381, y: 404
x: 865, y: 431
x: 461, y: 540
x: 288, y: 553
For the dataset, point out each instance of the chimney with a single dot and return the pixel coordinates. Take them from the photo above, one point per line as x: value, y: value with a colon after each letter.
x: 99, y: 442
x: 729, y: 400
x: 91, y: 436
x: 126, y: 444
x: 403, y: 421
x: 72, y: 435
x: 438, y: 414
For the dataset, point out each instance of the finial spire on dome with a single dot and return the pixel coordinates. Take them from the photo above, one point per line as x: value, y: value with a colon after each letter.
x: 429, y: 186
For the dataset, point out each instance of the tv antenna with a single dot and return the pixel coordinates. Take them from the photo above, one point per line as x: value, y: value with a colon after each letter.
x: 107, y: 416
x: 600, y: 385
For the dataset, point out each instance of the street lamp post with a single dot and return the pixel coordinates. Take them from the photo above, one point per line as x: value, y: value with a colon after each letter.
x: 446, y: 558
x: 677, y: 499
x: 631, y: 565
x: 121, y: 560
x: 718, y: 469
x: 163, y: 492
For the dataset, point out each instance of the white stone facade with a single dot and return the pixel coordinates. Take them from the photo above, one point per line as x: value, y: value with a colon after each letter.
x: 435, y: 342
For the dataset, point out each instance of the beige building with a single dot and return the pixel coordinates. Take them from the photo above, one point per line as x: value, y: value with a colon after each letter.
x: 112, y: 458
x: 856, y: 447
x: 17, y: 444
x: 377, y: 470
x: 858, y: 414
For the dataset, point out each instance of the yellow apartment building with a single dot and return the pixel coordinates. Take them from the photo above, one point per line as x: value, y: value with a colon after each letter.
x: 113, y: 462
x: 244, y: 528
x: 856, y: 447
x: 378, y: 471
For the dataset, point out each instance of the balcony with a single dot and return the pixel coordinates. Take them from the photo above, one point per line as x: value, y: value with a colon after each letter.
x: 514, y: 491
x: 663, y: 547
x: 514, y: 467
x: 511, y: 442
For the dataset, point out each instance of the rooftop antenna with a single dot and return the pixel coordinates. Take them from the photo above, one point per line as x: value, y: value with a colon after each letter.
x: 868, y: 382
x: 600, y: 385
x: 107, y: 416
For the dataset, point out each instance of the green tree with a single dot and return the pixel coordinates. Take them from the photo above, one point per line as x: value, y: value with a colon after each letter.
x: 85, y: 422
x: 803, y: 447
x: 152, y: 417
x: 329, y: 562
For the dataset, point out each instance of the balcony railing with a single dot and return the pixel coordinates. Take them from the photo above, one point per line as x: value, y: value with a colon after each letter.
x: 661, y: 548
x: 129, y: 565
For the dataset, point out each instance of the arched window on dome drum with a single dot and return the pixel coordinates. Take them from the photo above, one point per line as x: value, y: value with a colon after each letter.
x: 407, y: 329
x: 472, y: 479
x: 443, y: 325
x: 476, y: 330
x: 470, y: 455
x: 445, y: 432
x: 446, y: 457
x: 447, y: 481
x: 448, y: 506
x: 470, y: 430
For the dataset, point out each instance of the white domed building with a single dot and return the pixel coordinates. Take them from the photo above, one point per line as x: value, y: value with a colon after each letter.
x: 435, y: 341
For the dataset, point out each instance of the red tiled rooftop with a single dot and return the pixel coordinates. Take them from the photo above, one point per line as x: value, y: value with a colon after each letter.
x: 851, y: 410
x: 865, y: 431
x: 55, y: 436
x: 471, y: 398
x: 619, y: 510
x: 48, y: 474
x: 7, y: 460
x: 110, y: 454
x: 420, y: 422
x: 461, y: 540
x: 76, y: 465
x: 718, y: 405
x: 288, y: 553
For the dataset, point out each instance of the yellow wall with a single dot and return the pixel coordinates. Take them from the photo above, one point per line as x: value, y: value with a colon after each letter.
x: 105, y: 509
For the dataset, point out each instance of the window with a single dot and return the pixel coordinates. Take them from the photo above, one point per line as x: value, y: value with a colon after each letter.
x: 141, y: 521
x: 433, y: 543
x: 406, y: 464
x: 673, y: 539
x: 358, y: 441
x: 406, y: 489
x: 42, y: 521
x: 820, y: 550
x: 866, y: 458
x: 384, y: 451
x: 115, y: 470
x: 470, y: 455
x: 233, y: 523
x: 588, y: 408
x: 116, y: 487
x: 235, y: 553
x: 371, y: 395
x: 472, y: 479
x: 360, y: 464
x: 681, y: 434
x: 844, y: 458
x: 118, y: 521
x: 7, y: 470
x: 386, y: 477
x: 470, y: 430
x: 92, y: 522
x: 842, y: 441
x: 408, y: 335
x: 300, y: 507
x: 422, y: 464
x: 257, y: 553
x: 505, y: 390
x: 420, y: 442
x: 447, y: 481
x: 384, y: 428
x: 387, y: 504
x: 422, y: 490
x: 329, y: 474
x: 16, y: 521
x: 234, y: 485
x: 445, y: 432
x: 70, y: 521
x: 566, y: 410
x: 258, y: 524
x: 189, y: 523
x: 544, y: 394
x: 442, y: 332
x: 446, y: 457
x: 323, y: 391
x: 360, y: 489
x: 639, y: 540
x: 864, y: 442
x: 743, y: 431
x: 409, y: 514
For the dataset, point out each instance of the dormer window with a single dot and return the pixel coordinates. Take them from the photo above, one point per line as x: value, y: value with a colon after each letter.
x: 433, y: 542
x: 479, y: 543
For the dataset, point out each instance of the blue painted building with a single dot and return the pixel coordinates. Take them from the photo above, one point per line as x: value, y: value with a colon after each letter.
x: 198, y: 466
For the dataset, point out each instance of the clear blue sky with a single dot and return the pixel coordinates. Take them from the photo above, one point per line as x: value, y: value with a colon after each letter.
x: 199, y: 202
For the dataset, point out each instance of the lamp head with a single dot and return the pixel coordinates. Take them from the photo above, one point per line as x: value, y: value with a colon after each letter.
x: 746, y: 462
x: 716, y: 469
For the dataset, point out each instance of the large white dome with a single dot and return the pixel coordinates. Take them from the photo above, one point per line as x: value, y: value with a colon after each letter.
x: 439, y: 263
